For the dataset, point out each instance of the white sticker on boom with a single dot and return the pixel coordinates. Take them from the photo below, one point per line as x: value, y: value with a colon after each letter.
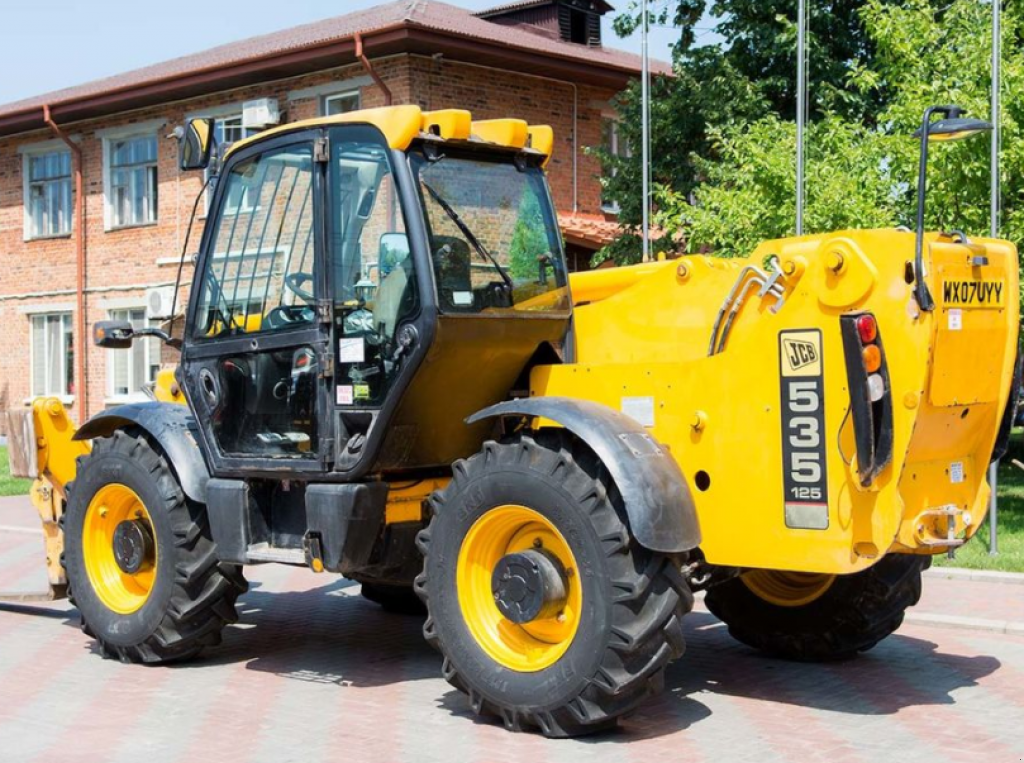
x: 956, y: 319
x: 462, y: 298
x: 956, y: 472
x: 351, y: 350
x: 640, y: 409
x: 345, y: 394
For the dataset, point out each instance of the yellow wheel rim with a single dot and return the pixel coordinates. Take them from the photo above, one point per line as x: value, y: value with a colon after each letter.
x: 526, y: 647
x: 787, y: 589
x: 120, y: 591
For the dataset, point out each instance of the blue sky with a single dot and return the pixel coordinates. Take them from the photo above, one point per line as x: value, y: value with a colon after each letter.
x: 51, y: 44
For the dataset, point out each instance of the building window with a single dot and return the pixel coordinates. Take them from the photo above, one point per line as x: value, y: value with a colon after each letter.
x: 53, y: 358
x: 133, y: 181
x: 226, y: 130
x: 579, y: 25
x: 617, y: 146
x: 230, y: 130
x: 136, y: 366
x: 340, y: 103
x: 48, y: 194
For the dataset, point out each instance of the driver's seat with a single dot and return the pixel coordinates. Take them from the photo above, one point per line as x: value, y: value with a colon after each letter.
x: 392, y: 300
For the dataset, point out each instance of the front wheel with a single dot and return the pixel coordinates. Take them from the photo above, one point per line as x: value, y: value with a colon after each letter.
x: 548, y: 613
x: 142, y: 568
x: 814, y: 617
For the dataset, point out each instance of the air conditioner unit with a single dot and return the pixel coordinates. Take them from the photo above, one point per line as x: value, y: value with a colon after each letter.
x: 260, y: 113
x: 160, y: 303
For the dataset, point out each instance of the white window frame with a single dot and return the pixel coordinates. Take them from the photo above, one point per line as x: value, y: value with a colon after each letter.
x: 111, y: 136
x: 148, y: 345
x: 34, y: 151
x: 219, y: 114
x: 612, y: 207
x: 65, y: 395
x: 338, y: 95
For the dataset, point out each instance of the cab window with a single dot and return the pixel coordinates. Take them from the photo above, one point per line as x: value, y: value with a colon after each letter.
x: 494, y: 237
x: 260, y: 274
x: 372, y: 268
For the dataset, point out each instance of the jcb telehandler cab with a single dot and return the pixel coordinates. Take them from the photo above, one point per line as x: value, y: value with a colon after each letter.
x: 390, y: 375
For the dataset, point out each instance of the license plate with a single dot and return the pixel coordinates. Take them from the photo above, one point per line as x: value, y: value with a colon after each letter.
x: 967, y: 292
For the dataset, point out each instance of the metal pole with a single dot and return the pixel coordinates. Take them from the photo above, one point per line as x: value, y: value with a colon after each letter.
x: 993, y: 542
x: 994, y: 199
x: 801, y: 110
x: 646, y: 134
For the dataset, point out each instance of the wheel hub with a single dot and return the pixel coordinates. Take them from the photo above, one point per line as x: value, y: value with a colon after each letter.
x: 529, y: 585
x: 133, y: 546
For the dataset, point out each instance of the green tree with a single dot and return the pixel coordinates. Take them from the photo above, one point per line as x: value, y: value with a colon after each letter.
x: 862, y: 172
x: 749, y: 188
x: 706, y: 90
x: 529, y: 239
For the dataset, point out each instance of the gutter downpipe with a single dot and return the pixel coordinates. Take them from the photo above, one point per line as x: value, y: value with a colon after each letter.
x: 370, y: 70
x: 81, y: 391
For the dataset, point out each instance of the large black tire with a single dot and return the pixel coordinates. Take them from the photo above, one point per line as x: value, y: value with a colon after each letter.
x: 634, y: 600
x: 401, y: 600
x: 853, y: 615
x: 193, y: 595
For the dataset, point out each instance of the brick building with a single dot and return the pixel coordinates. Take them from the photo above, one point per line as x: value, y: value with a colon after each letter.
x: 540, y: 60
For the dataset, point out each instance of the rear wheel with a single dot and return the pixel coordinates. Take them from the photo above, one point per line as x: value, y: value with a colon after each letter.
x: 815, y: 617
x: 548, y: 614
x: 141, y: 566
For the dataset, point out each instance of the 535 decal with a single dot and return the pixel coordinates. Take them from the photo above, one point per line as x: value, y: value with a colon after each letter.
x: 803, y: 423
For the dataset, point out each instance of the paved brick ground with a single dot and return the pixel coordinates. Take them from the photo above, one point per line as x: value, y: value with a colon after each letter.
x: 314, y: 673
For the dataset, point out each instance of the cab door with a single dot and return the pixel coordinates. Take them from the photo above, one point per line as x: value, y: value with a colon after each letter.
x: 257, y: 335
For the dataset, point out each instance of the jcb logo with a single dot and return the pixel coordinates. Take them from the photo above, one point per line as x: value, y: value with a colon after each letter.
x: 800, y: 354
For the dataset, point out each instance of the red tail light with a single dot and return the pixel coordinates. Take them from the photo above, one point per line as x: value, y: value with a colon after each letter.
x: 870, y: 394
x: 867, y: 328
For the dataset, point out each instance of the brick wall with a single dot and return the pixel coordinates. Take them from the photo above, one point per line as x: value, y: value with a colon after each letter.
x: 39, y: 275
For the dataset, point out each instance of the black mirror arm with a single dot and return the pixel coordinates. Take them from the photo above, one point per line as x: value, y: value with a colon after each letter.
x: 160, y: 334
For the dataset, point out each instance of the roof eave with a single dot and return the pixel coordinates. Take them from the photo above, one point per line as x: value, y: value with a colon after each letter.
x: 403, y: 37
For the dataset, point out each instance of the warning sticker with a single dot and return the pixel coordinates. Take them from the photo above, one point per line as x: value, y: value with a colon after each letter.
x: 344, y: 394
x: 351, y: 350
x: 956, y: 319
x: 640, y: 409
x: 956, y: 472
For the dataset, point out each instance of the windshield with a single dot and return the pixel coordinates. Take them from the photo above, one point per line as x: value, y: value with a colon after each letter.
x: 494, y: 238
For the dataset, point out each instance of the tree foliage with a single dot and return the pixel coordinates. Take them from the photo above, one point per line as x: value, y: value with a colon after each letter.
x: 861, y: 165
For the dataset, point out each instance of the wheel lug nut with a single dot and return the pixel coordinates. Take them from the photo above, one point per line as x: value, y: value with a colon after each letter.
x: 537, y: 543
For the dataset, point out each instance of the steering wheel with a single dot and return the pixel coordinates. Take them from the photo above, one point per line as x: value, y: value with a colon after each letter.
x: 294, y: 282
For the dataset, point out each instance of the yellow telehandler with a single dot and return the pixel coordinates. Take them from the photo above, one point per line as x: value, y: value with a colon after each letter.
x: 387, y: 372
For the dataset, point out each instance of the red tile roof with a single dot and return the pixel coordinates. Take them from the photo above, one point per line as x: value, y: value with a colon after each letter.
x: 429, y: 15
x: 591, y: 231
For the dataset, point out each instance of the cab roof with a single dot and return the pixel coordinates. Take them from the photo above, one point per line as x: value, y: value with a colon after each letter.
x: 401, y: 125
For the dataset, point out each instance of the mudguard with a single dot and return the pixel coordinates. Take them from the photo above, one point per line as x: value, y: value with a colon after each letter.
x: 171, y: 426
x: 660, y: 508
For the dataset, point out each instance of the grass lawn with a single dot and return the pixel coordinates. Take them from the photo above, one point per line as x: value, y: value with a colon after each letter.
x: 1010, y: 525
x: 10, y: 485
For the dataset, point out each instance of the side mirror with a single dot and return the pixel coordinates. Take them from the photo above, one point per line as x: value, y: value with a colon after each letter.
x: 394, y: 248
x: 113, y: 335
x: 195, y: 146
